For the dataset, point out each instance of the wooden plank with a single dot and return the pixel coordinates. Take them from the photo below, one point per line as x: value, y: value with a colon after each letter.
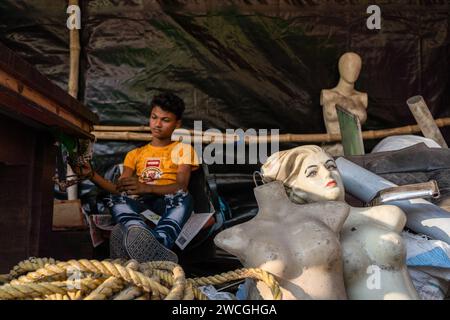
x: 16, y: 171
x: 14, y: 140
x: 42, y: 202
x: 16, y: 106
x: 45, y: 104
x: 28, y: 76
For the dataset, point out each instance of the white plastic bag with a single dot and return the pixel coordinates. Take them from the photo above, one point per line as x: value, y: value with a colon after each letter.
x: 403, y: 141
x: 213, y: 294
x: 428, y: 264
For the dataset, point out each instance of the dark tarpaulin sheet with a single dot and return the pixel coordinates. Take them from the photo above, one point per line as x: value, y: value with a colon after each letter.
x: 238, y: 64
x: 262, y: 64
x: 37, y: 31
x: 246, y: 64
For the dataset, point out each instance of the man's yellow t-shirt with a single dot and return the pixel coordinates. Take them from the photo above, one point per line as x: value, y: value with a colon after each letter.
x: 159, y: 165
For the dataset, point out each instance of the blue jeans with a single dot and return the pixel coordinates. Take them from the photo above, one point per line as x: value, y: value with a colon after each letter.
x: 174, y: 209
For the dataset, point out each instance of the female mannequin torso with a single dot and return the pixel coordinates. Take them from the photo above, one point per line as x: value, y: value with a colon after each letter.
x: 374, y: 254
x: 299, y: 244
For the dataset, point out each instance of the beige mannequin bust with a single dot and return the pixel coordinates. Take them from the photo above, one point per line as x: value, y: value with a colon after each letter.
x: 344, y: 94
x: 373, y: 251
x: 297, y: 243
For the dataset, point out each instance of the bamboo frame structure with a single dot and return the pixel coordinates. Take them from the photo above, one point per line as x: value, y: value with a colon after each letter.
x: 142, y: 133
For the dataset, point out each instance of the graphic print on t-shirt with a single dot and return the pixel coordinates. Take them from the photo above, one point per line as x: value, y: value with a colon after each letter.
x: 152, y: 170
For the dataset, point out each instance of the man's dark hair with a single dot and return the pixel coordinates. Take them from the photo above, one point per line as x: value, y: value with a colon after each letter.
x: 168, y: 102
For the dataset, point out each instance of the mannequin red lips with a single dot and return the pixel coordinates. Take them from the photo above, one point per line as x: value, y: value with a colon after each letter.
x: 332, y: 183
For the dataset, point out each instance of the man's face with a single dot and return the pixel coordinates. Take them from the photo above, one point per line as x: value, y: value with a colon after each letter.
x: 163, y: 123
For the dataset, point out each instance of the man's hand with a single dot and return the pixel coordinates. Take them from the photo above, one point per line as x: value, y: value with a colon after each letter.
x: 84, y: 171
x: 131, y: 185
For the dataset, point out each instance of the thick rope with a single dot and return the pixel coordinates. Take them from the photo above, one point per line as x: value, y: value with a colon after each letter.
x: 107, y: 289
x: 258, y: 274
x: 112, y: 285
x: 129, y: 293
x: 189, y: 289
x: 48, y: 279
x: 25, y: 266
x: 104, y: 268
x: 33, y: 290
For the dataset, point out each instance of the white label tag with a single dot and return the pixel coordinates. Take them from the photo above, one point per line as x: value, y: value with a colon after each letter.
x: 150, y: 215
x: 194, y: 224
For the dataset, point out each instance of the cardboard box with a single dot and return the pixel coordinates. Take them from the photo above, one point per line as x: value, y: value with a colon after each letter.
x: 67, y: 215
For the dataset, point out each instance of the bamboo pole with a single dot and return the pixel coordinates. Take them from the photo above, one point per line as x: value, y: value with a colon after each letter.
x: 74, y: 58
x: 72, y: 192
x: 442, y: 122
x: 118, y: 133
x: 122, y: 128
x: 139, y: 136
x: 425, y: 120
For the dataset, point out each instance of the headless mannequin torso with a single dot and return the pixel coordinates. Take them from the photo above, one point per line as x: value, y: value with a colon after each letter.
x: 299, y: 244
x: 374, y: 254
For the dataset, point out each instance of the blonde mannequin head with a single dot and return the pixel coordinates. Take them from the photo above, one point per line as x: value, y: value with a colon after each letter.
x: 308, y: 173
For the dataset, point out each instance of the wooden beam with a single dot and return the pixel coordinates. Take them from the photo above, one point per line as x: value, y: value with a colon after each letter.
x: 26, y: 76
x: 16, y: 106
x: 9, y: 82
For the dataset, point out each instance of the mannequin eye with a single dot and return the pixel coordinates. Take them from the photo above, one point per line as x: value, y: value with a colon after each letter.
x: 331, y: 165
x: 311, y: 174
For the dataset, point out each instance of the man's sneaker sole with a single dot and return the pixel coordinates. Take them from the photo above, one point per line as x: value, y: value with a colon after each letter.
x: 116, y: 246
x: 142, y: 246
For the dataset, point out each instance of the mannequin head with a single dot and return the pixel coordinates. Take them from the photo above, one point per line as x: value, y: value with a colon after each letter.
x: 349, y: 67
x: 308, y: 174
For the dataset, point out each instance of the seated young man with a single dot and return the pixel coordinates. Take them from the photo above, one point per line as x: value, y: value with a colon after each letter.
x: 157, y: 174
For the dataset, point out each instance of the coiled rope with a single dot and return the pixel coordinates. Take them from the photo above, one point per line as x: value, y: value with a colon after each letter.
x: 48, y: 279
